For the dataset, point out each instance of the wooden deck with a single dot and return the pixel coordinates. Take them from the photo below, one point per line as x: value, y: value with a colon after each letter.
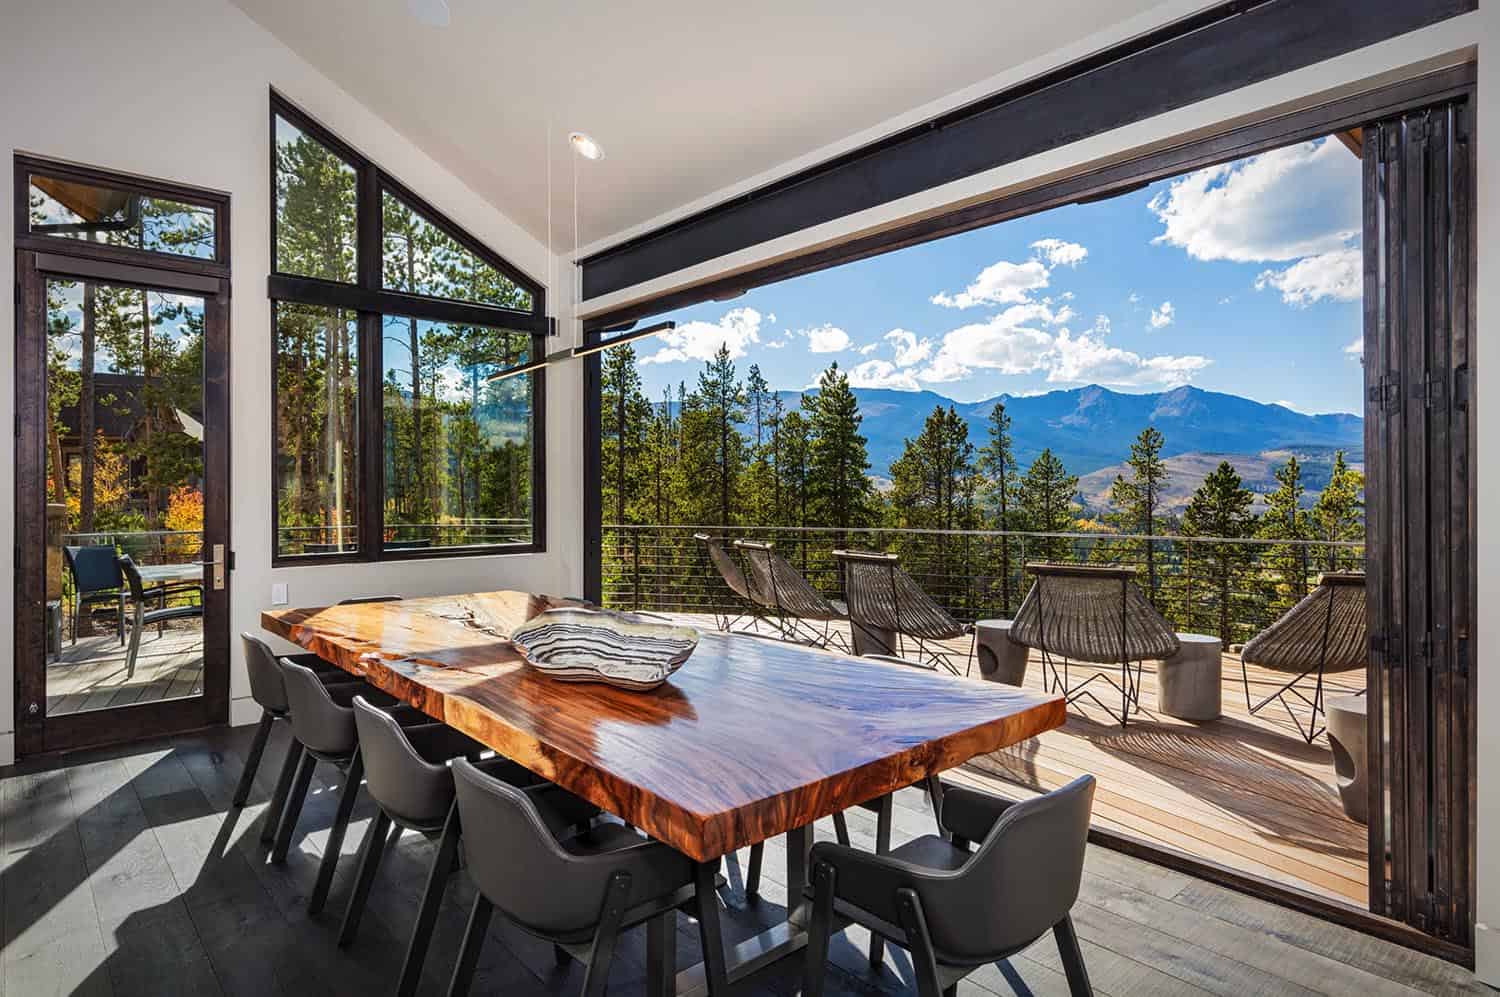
x: 90, y: 675
x: 125, y: 872
x: 1242, y: 791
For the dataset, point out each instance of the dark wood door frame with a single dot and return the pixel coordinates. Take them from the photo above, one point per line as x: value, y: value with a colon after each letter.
x: 39, y: 258
x: 1353, y: 111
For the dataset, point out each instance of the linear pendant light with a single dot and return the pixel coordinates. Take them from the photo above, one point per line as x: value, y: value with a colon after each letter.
x: 581, y: 351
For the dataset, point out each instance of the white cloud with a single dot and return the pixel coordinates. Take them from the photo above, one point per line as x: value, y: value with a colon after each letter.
x: 1356, y: 348
x: 1058, y: 253
x: 998, y: 284
x: 1007, y: 283
x: 882, y: 374
x: 1291, y: 405
x: 868, y: 348
x: 1134, y: 298
x: 910, y: 350
x: 1013, y: 342
x: 701, y: 340
x: 1088, y: 359
x: 827, y: 339
x: 1163, y: 316
x: 1336, y: 275
x: 774, y: 344
x: 1285, y: 204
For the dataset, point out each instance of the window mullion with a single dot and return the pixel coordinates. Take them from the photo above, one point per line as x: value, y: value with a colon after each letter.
x: 371, y: 412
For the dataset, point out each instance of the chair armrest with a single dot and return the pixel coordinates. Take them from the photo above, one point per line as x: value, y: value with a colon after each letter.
x: 970, y: 814
x: 869, y: 881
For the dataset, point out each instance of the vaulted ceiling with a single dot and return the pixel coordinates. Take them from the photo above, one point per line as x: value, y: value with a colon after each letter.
x: 687, y: 97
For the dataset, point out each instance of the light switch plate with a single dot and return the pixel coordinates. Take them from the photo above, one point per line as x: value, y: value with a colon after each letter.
x: 278, y: 594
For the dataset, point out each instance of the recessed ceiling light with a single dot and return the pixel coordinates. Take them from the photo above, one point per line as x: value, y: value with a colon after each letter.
x: 585, y: 146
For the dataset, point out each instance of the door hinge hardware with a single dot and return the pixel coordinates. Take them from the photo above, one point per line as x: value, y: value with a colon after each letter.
x: 1429, y: 391
x: 1385, y: 394
x: 1461, y: 386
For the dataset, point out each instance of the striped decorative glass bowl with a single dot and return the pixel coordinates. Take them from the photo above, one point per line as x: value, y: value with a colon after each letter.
x: 589, y: 645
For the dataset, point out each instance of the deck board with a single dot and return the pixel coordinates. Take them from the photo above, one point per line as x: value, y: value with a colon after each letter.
x: 1242, y: 791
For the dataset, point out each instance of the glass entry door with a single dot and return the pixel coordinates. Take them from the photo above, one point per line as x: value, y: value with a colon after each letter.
x: 126, y: 446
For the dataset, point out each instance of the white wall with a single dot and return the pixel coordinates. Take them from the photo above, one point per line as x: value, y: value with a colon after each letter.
x: 1441, y: 44
x: 179, y: 89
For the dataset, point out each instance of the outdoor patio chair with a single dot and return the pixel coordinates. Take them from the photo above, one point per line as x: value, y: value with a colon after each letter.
x: 96, y: 579
x: 578, y: 892
x: 407, y: 774
x: 1097, y: 614
x: 732, y: 577
x: 955, y: 910
x: 886, y: 605
x: 780, y: 588
x: 1326, y: 632
x: 141, y: 617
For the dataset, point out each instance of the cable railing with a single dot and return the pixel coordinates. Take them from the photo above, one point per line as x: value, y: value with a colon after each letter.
x: 1233, y: 587
x: 454, y: 533
x: 144, y: 546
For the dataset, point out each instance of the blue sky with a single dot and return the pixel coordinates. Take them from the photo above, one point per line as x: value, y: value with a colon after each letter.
x: 1242, y: 278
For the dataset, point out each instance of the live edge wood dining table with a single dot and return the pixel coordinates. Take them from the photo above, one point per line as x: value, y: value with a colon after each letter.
x: 749, y: 740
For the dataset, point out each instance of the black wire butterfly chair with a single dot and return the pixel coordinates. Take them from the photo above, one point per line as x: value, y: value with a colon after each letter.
x: 1095, y: 614
x: 886, y: 605
x: 734, y: 579
x: 1325, y: 632
x: 798, y: 607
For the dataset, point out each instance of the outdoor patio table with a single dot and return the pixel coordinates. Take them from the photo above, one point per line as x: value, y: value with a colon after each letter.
x: 170, y: 574
x: 749, y: 740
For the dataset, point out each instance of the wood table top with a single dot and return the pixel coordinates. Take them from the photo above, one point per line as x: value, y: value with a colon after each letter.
x: 749, y: 739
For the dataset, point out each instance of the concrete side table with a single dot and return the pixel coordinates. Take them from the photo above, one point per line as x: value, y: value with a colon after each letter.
x: 1000, y: 660
x: 1347, y: 728
x: 1189, y: 684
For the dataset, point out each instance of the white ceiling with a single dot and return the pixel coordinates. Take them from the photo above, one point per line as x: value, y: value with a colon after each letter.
x: 687, y: 97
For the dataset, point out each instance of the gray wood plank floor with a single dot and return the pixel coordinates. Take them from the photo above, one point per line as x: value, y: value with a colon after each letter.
x: 125, y: 871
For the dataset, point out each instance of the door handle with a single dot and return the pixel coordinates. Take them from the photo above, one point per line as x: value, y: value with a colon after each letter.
x: 217, y: 563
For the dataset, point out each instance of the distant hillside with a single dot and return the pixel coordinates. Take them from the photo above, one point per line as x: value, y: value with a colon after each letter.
x: 1186, y: 471
x: 1091, y: 428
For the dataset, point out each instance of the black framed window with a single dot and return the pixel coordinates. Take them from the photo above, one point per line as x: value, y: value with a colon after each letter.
x: 390, y: 439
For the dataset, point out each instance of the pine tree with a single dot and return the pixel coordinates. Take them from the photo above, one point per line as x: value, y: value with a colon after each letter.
x: 1138, y: 497
x: 792, y: 468
x: 1285, y: 519
x: 1339, y: 513
x: 713, y: 449
x: 623, y: 416
x: 997, y: 488
x: 1221, y: 508
x: 1046, y: 504
x: 841, y: 494
x: 932, y: 481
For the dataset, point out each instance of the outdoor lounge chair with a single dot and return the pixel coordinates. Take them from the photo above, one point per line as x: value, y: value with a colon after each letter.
x: 1093, y: 613
x: 1325, y: 632
x: 886, y: 605
x: 734, y: 578
x: 798, y: 607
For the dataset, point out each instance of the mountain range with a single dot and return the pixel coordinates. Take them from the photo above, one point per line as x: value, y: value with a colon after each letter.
x: 1091, y: 428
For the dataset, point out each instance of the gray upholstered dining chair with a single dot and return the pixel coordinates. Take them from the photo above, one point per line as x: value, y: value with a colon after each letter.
x: 268, y: 690
x: 323, y: 723
x: 957, y: 910
x: 407, y: 774
x: 578, y: 892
